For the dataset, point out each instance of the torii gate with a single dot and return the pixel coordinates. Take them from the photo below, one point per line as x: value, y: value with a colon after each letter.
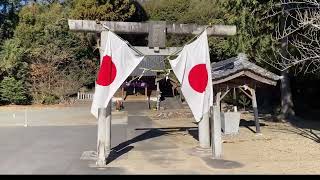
x: 156, y: 31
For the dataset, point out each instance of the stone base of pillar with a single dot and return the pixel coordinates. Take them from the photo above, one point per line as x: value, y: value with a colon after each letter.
x: 101, y: 163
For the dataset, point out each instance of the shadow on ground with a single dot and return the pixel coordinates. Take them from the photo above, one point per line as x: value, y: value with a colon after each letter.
x: 306, y: 128
x: 249, y: 124
x: 221, y: 163
x: 126, y: 147
x: 243, y: 123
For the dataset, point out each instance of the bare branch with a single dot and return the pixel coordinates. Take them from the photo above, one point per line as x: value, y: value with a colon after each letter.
x: 301, y: 27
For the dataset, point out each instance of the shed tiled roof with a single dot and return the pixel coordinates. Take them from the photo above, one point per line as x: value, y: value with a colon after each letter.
x: 234, y: 65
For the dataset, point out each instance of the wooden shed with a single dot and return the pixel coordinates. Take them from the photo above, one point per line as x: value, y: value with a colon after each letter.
x: 239, y: 72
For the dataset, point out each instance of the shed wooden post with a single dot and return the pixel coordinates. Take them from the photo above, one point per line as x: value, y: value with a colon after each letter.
x: 216, y: 129
x: 255, y: 109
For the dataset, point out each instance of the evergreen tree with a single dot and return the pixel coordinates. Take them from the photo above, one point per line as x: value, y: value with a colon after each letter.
x: 13, y: 91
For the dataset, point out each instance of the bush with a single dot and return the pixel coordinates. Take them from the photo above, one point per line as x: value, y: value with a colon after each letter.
x: 50, y: 99
x: 13, y: 91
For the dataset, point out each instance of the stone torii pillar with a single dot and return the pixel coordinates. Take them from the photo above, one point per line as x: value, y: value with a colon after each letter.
x: 156, y: 31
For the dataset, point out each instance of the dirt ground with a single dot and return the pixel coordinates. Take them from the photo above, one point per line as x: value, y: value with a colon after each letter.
x: 280, y: 149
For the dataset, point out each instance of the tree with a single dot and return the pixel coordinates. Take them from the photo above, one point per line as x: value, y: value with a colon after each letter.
x: 13, y: 74
x: 60, y: 62
x: 297, y: 31
x: 52, y: 62
x: 299, y: 28
x: 103, y: 10
x: 12, y: 62
x: 253, y: 32
x: 163, y: 10
x: 44, y: 56
x: 13, y: 91
x: 12, y: 68
x: 8, y: 17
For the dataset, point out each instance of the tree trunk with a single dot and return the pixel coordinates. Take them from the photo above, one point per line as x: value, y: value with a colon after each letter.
x: 286, y: 96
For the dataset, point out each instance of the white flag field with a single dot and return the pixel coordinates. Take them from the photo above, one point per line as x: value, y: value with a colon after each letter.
x: 118, y: 62
x: 193, y: 70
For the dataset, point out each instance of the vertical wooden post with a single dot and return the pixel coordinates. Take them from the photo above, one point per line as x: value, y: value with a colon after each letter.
x: 147, y: 97
x: 173, y: 93
x: 134, y: 89
x: 234, y: 96
x: 149, y: 104
x: 101, y: 153
x: 158, y: 87
x: 158, y: 97
x: 255, y: 109
x: 216, y: 129
x: 122, y: 92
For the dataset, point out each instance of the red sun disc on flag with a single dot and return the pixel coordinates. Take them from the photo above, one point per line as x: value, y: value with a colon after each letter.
x: 198, y: 78
x: 107, y: 72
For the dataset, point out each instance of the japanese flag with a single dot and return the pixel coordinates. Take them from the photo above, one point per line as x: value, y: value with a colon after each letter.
x: 193, y: 70
x: 118, y: 62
